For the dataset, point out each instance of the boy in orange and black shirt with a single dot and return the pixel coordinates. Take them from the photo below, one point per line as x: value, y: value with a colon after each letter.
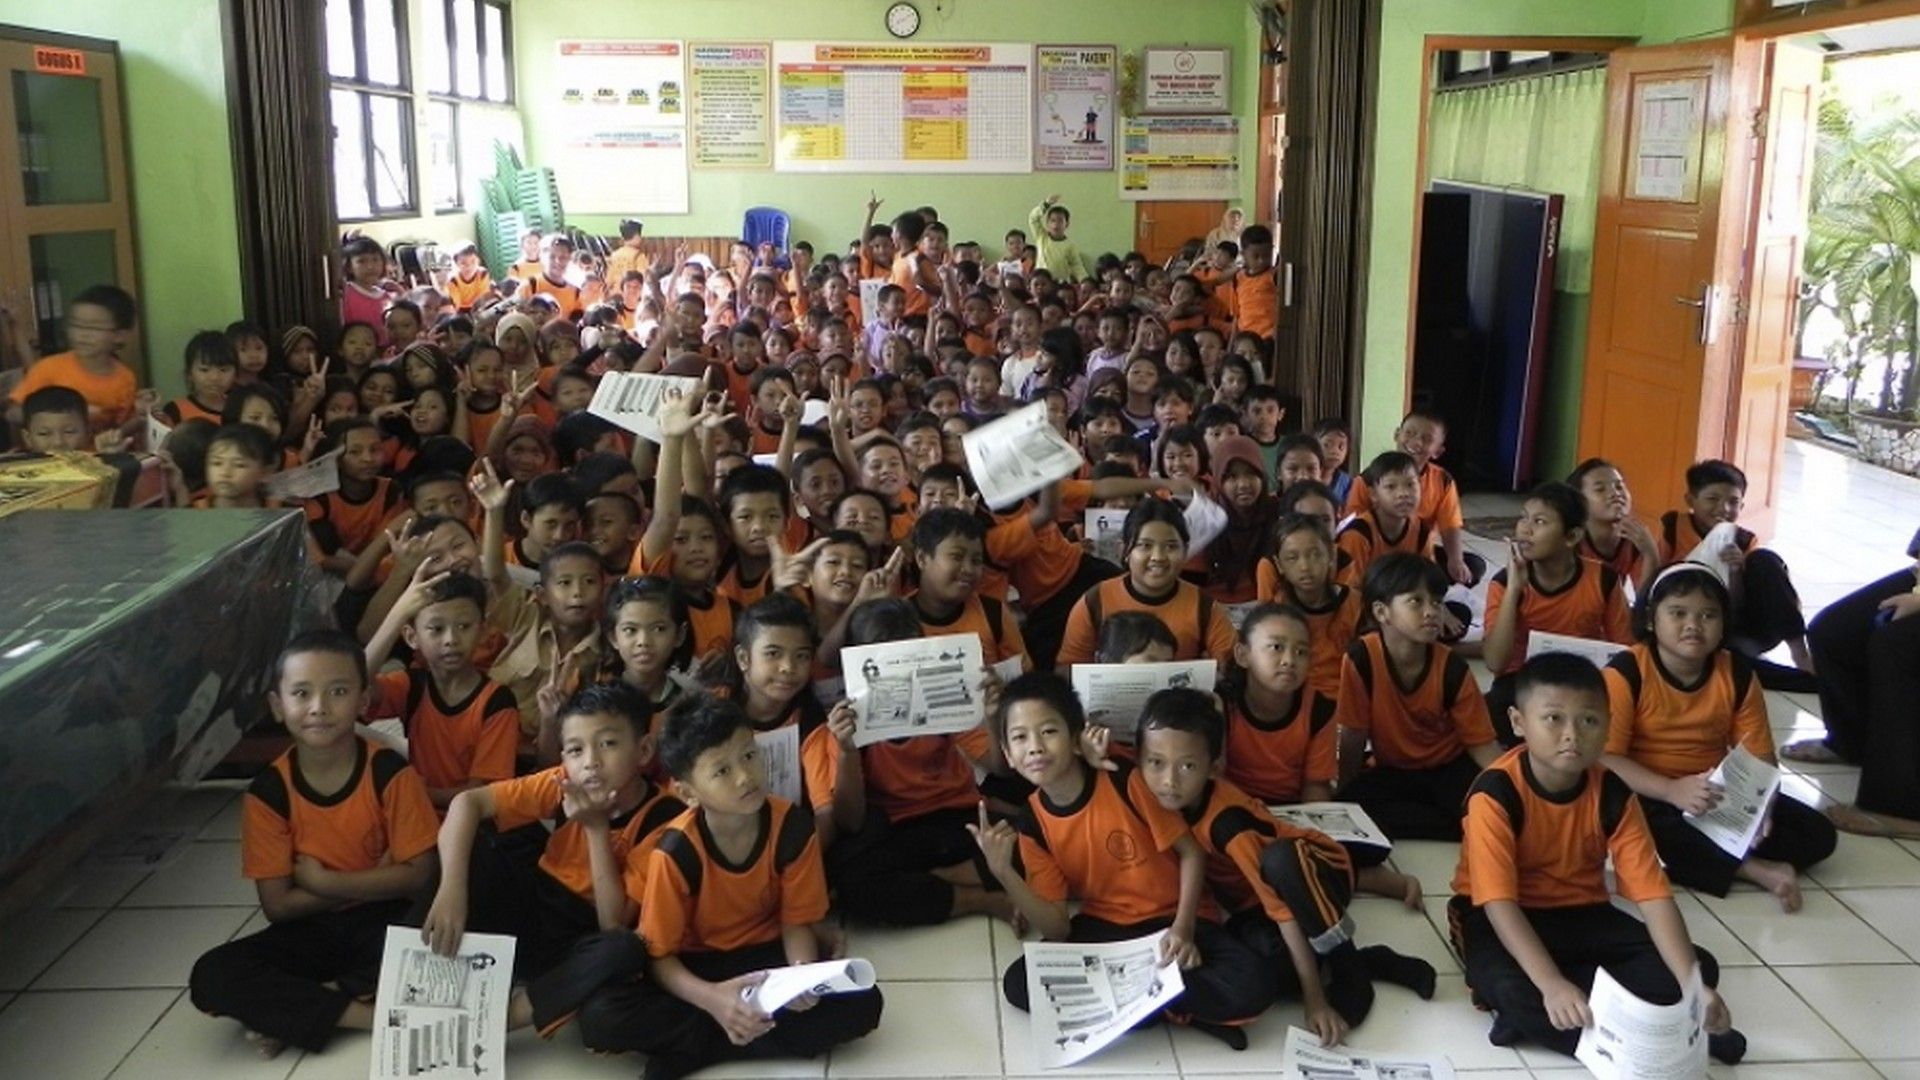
x: 1423, y: 437
x: 1531, y: 916
x: 462, y: 727
x: 572, y: 914
x: 1417, y: 704
x: 1102, y: 837
x: 733, y: 887
x: 336, y: 834
x: 1391, y: 521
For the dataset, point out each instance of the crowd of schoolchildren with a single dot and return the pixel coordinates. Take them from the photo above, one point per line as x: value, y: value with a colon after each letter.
x: 582, y: 633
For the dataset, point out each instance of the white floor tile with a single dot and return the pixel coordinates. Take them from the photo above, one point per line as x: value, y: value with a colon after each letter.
x: 1708, y: 932
x: 1777, y: 1024
x: 85, y: 886
x: 928, y: 1029
x: 529, y: 1057
x: 1379, y: 921
x: 1007, y: 946
x: 1894, y: 913
x: 225, y: 824
x: 1198, y: 1053
x: 35, y: 939
x: 1821, y: 932
x: 1146, y: 1053
x: 188, y: 1043
x: 1449, y: 1024
x: 152, y: 947
x: 958, y: 949
x: 1869, y: 1005
x: 81, y: 1036
x: 346, y: 1057
x: 207, y: 874
x: 1432, y: 861
x: 1840, y: 788
x: 190, y: 808
x: 1864, y: 861
x: 1811, y: 1070
x: 790, y: 1069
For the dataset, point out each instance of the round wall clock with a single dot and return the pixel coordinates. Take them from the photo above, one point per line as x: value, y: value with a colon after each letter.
x: 903, y: 20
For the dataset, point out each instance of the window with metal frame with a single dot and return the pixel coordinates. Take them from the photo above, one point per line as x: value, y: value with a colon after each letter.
x: 371, y: 97
x: 469, y: 61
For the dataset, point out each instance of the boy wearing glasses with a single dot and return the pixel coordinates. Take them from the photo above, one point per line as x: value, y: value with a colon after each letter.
x: 99, y: 324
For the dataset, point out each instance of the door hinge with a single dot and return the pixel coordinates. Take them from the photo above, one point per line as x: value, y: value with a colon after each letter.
x: 1758, y: 123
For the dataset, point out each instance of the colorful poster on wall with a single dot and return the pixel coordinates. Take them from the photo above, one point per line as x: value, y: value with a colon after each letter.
x: 1073, y: 107
x: 730, y: 90
x: 1177, y: 79
x: 903, y: 108
x: 1180, y: 157
x: 623, y: 131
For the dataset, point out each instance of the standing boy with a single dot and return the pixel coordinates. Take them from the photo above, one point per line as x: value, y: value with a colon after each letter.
x: 99, y: 325
x: 1057, y: 255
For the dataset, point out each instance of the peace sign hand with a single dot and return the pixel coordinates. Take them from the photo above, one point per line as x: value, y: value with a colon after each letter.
x: 487, y: 488
x: 552, y: 694
x: 790, y: 571
x: 420, y: 588
x: 883, y: 581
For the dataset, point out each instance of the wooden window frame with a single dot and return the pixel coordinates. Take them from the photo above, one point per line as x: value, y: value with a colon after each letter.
x: 365, y: 90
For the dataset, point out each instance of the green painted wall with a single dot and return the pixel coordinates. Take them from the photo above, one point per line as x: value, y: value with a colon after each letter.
x: 1405, y: 26
x: 175, y: 108
x: 827, y: 209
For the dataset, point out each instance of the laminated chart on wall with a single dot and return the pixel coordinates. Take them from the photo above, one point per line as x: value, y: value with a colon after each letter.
x: 945, y: 108
x: 1073, y: 107
x: 623, y: 127
x: 1180, y: 157
x: 730, y: 88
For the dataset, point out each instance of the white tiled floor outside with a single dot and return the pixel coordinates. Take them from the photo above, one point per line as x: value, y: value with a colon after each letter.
x: 92, y: 981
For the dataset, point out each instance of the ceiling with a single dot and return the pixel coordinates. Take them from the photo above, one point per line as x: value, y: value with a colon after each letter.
x: 1887, y: 35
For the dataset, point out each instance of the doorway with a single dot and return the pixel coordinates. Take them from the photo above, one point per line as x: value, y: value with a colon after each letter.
x: 1161, y: 228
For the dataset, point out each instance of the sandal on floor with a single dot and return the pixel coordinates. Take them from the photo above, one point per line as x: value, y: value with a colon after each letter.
x: 1811, y: 752
x: 1851, y: 819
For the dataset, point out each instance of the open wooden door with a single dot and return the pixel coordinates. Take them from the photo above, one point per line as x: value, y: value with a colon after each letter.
x: 1662, y: 345
x: 1160, y: 228
x: 1776, y: 238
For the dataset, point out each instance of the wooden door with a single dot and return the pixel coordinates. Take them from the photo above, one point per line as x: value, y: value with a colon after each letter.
x: 65, y: 208
x: 1661, y: 347
x: 1776, y: 236
x: 1160, y: 228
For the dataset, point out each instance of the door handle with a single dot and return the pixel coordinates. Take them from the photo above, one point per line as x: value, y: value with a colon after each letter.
x: 1286, y: 284
x: 1709, y: 330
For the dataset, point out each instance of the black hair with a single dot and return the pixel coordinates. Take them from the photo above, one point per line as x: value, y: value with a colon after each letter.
x: 117, y: 303
x: 1290, y: 523
x: 549, y: 489
x: 889, y: 618
x: 639, y: 590
x: 1255, y: 234
x: 1564, y: 670
x: 460, y: 587
x: 1393, y: 461
x: 1578, y: 477
x: 911, y: 226
x: 431, y: 476
x: 427, y: 523
x: 595, y: 470
x: 753, y: 479
x: 1714, y: 471
x: 1108, y: 470
x: 1399, y: 573
x: 1123, y: 445
x: 1291, y: 443
x: 187, y: 443
x: 1045, y: 687
x: 1302, y: 490
x: 943, y: 383
x: 1331, y: 424
x: 694, y: 725
x: 209, y: 347
x: 1182, y: 708
x: 1128, y: 633
x: 947, y: 474
x: 775, y: 610
x: 53, y: 399
x: 610, y: 699
x: 327, y: 641
x: 1681, y: 579
x: 1056, y: 208
x: 572, y: 549
x: 935, y: 527
x: 1146, y: 512
x: 1566, y: 502
x: 1217, y: 415
x: 768, y: 374
x: 576, y: 434
x: 361, y: 245
x: 632, y: 505
x: 246, y: 438
x: 239, y: 396
x: 630, y: 228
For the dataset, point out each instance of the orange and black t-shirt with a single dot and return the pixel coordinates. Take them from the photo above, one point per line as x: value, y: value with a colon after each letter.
x: 919, y: 775
x: 737, y: 588
x: 819, y: 750
x: 1234, y: 829
x: 565, y: 295
x: 463, y: 292
x: 450, y: 742
x: 693, y: 900
x: 1362, y: 539
x: 1200, y: 627
x: 710, y: 625
x: 526, y: 799
x: 984, y: 617
x: 1678, y: 536
x: 1542, y: 849
x: 341, y: 524
x: 1253, y: 301
x: 381, y: 814
x: 1331, y: 627
x: 1112, y: 848
x: 182, y: 409
x: 110, y: 396
x: 1054, y: 560
x: 1626, y: 559
x: 1275, y: 759
x: 1592, y: 604
x: 1680, y: 730
x: 1422, y: 723
x: 481, y: 422
x: 1439, y: 499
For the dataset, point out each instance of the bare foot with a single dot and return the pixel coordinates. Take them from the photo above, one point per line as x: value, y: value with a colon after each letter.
x: 519, y: 1009
x: 1381, y: 881
x: 268, y: 1048
x: 1778, y: 878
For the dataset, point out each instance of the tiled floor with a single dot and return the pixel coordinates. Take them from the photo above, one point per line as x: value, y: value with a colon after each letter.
x: 91, y: 982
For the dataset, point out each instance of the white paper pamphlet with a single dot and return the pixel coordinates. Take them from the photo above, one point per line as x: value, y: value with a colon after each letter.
x: 309, y: 481
x: 442, y: 1015
x: 1115, y: 694
x: 921, y: 686
x: 1597, y: 652
x: 633, y: 399
x: 780, y: 749
x: 1305, y: 1059
x: 1633, y: 1040
x: 1748, y: 786
x: 870, y: 300
x: 1084, y: 996
x: 826, y: 977
x: 1011, y: 668
x: 157, y: 432
x: 1017, y: 455
x: 1206, y: 520
x: 1340, y: 821
x: 1707, y: 551
x: 1104, y: 530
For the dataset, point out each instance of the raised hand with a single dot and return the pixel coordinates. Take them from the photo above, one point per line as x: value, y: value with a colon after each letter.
x: 487, y: 488
x: 874, y: 200
x: 840, y: 723
x: 997, y: 841
x: 419, y: 591
x: 1096, y: 741
x: 311, y: 440
x: 677, y: 414
x: 552, y: 693
x: 791, y: 571
x: 882, y: 582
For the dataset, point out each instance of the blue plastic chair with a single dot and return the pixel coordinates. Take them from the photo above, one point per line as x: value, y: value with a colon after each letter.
x: 765, y: 224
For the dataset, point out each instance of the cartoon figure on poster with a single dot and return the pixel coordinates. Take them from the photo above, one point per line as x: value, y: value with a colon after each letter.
x: 1091, y: 132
